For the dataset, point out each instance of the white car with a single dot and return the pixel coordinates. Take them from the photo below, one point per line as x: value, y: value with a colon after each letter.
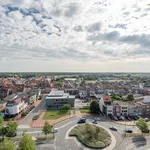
x: 55, y: 130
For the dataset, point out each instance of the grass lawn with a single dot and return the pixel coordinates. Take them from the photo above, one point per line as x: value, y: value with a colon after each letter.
x: 55, y: 114
x: 85, y: 110
x: 91, y: 136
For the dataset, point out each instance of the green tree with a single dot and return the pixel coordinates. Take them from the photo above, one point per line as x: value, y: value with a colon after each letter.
x: 1, y: 120
x: 11, y: 128
x: 94, y: 106
x: 130, y: 97
x: 59, y: 84
x: 47, y: 128
x: 66, y: 107
x: 7, y: 145
x: 142, y: 125
x: 26, y: 143
x: 3, y: 131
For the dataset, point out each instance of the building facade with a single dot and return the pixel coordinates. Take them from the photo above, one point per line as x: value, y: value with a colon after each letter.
x: 57, y: 98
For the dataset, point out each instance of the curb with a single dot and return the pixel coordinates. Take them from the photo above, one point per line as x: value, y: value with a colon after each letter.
x: 110, y: 147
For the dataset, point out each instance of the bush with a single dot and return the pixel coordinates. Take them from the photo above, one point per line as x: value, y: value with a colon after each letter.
x: 66, y: 107
x: 91, y: 136
x: 43, y: 138
x: 23, y: 114
x: 100, y: 144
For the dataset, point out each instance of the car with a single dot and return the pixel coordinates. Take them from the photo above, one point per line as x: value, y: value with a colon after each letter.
x: 113, y: 128
x: 94, y: 121
x: 128, y: 118
x: 121, y: 118
x: 82, y: 120
x: 55, y: 130
x: 128, y: 131
x: 36, y: 117
x: 115, y: 118
x: 146, y: 119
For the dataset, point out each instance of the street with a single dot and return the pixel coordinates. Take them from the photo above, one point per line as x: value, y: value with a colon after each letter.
x: 63, y: 143
x: 35, y: 111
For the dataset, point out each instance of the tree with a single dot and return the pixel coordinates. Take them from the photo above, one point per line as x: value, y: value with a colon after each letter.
x: 1, y: 120
x: 7, y: 145
x: 66, y: 107
x: 26, y: 143
x: 11, y: 128
x: 94, y: 107
x: 47, y: 128
x: 3, y: 131
x: 130, y: 97
x: 59, y: 84
x: 142, y: 125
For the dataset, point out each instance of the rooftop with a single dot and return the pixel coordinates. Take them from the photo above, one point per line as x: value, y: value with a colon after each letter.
x: 58, y: 94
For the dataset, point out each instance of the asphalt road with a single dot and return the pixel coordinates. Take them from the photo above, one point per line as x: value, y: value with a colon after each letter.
x: 135, y: 143
x: 61, y: 143
x: 34, y: 112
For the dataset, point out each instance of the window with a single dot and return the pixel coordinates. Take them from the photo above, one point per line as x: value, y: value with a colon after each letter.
x: 124, y: 107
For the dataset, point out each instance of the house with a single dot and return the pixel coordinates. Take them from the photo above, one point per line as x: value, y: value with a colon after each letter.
x: 105, y: 104
x: 14, y: 106
x: 57, y: 98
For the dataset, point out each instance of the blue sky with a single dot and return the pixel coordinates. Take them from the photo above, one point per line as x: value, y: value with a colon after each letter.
x: 76, y: 35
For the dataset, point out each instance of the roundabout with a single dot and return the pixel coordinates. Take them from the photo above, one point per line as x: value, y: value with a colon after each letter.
x: 91, y: 136
x: 65, y: 142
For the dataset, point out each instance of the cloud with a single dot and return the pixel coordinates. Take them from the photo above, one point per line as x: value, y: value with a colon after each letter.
x: 74, y: 30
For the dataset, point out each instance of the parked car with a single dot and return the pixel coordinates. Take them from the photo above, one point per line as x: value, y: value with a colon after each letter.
x: 94, y: 121
x: 146, y: 119
x: 82, y: 120
x: 113, y: 128
x: 115, y: 118
x: 36, y: 117
x: 128, y: 118
x: 55, y: 130
x: 121, y: 118
x: 128, y: 131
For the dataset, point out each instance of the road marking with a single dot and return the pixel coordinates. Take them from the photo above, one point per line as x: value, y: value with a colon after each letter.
x: 129, y: 147
x: 66, y: 124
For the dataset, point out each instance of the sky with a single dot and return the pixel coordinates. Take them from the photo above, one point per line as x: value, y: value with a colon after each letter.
x: 74, y: 36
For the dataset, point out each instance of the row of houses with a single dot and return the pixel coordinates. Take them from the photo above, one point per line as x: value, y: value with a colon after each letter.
x: 117, y: 108
x: 17, y: 102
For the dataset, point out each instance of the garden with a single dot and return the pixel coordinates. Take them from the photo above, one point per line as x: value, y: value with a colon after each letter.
x: 91, y: 136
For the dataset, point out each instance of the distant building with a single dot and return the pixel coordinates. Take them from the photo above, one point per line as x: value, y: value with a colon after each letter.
x: 57, y: 98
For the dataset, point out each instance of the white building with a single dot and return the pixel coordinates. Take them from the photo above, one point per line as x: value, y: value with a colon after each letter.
x: 105, y: 105
x: 15, y: 106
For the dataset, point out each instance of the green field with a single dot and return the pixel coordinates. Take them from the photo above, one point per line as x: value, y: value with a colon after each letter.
x: 55, y: 114
x: 85, y: 110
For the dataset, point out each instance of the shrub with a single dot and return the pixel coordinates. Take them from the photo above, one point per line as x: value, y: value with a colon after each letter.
x: 23, y: 114
x: 91, y: 136
x: 100, y: 144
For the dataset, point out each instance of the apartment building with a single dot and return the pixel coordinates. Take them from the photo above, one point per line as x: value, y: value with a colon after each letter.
x: 15, y: 106
x: 57, y: 98
x: 105, y: 104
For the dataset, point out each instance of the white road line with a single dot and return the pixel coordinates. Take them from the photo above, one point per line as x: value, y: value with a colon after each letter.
x: 66, y: 124
x: 129, y: 147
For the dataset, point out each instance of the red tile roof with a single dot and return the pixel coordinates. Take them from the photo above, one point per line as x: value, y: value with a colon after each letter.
x: 107, y: 98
